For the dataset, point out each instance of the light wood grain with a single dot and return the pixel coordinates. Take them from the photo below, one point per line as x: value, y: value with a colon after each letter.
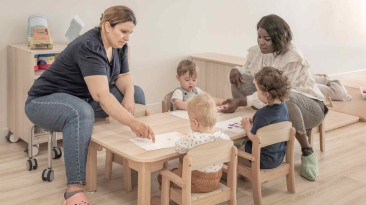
x: 213, y: 74
x: 342, y: 177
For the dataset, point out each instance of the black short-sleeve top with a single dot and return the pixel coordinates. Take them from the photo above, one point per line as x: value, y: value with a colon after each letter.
x: 85, y: 56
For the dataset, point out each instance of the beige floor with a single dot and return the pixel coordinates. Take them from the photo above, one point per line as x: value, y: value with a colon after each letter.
x: 342, y: 177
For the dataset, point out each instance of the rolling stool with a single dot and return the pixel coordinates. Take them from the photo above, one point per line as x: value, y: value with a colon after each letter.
x: 53, y: 151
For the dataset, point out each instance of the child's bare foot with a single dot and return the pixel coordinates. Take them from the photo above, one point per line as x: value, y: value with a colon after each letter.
x: 155, y: 200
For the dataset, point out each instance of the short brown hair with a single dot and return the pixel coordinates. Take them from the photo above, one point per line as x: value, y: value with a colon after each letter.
x: 278, y: 30
x: 202, y: 107
x: 272, y: 81
x: 117, y: 14
x: 187, y: 66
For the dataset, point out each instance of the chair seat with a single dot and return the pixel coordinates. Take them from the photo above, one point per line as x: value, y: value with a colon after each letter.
x: 223, y: 193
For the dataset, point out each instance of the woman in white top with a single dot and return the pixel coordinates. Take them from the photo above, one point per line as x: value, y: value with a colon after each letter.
x: 305, y: 105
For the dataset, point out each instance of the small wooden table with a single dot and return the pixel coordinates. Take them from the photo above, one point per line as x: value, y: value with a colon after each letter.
x: 115, y: 137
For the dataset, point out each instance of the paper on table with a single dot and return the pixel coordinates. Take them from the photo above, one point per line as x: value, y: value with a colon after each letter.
x: 161, y: 141
x: 233, y: 125
x: 180, y: 113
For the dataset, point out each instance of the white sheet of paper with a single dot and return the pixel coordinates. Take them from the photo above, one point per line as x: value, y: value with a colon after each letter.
x: 180, y: 113
x: 161, y: 141
x: 233, y: 125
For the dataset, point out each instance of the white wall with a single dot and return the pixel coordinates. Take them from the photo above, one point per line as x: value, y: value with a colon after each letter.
x: 331, y: 33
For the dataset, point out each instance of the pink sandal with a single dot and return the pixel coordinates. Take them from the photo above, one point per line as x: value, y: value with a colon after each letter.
x: 77, y: 199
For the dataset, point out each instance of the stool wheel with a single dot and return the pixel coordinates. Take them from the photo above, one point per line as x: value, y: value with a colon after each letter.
x: 56, y: 153
x: 10, y: 137
x: 32, y: 164
x: 47, y: 175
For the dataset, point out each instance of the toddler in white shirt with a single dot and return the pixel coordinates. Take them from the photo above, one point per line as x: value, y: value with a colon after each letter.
x: 202, y: 117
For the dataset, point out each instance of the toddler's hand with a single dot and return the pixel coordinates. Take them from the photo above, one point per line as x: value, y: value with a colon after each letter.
x: 246, y: 124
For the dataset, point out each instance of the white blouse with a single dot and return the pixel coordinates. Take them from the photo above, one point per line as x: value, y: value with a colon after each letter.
x: 293, y: 65
x: 196, y: 138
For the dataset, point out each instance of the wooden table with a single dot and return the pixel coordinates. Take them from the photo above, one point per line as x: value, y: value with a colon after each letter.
x: 115, y: 137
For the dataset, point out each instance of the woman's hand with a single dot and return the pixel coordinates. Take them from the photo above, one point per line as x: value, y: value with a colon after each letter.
x: 235, y: 77
x: 230, y: 105
x: 142, y: 130
x: 129, y: 105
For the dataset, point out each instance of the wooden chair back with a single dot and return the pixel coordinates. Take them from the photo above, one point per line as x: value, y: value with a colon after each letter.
x: 268, y: 135
x: 207, y: 154
x: 204, y: 155
x: 166, y: 105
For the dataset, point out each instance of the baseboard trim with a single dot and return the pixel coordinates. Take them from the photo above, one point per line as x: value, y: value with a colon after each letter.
x: 354, y: 71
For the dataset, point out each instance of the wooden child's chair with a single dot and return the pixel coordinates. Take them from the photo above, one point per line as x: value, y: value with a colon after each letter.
x: 140, y: 111
x: 166, y: 105
x: 265, y: 136
x: 321, y: 130
x: 204, y: 155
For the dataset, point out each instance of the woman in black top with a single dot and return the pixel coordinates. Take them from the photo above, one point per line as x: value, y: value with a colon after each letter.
x: 89, y: 79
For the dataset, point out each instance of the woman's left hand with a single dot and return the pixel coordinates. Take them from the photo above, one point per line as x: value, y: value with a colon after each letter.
x: 129, y: 105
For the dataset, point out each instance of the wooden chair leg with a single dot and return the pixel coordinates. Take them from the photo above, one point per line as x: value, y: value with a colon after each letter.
x: 257, y: 192
x: 165, y: 191
x: 290, y: 179
x: 310, y: 139
x: 108, y: 165
x: 322, y: 136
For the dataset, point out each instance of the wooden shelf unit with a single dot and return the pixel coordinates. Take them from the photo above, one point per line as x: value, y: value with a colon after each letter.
x: 21, y: 76
x: 214, y: 69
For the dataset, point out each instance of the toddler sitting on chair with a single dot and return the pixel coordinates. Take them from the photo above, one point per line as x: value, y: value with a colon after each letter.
x: 187, y: 72
x: 202, y: 117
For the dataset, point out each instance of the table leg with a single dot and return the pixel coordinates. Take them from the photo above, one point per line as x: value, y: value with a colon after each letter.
x: 144, y: 170
x: 91, y: 168
x: 127, y: 175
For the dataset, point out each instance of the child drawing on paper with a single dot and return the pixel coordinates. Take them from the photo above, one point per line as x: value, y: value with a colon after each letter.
x: 202, y: 117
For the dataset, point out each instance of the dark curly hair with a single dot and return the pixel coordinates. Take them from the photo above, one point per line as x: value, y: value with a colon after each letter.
x: 278, y: 30
x: 272, y: 81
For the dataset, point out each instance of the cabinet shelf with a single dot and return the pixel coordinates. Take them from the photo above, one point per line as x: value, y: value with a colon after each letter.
x: 21, y: 76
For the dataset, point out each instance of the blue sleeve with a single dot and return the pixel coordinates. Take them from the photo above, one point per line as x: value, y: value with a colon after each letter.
x: 91, y: 59
x: 124, y: 59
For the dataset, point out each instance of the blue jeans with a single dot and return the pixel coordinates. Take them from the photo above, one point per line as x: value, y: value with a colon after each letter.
x: 74, y: 117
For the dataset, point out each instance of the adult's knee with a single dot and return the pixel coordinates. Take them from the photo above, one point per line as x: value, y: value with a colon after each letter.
x: 86, y: 113
x: 139, y: 95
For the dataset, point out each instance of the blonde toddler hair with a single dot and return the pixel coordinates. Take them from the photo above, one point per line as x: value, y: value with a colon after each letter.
x: 202, y: 107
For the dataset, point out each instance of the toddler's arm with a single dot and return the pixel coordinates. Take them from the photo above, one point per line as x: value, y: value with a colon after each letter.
x: 180, y: 104
x: 247, y: 124
x: 182, y: 145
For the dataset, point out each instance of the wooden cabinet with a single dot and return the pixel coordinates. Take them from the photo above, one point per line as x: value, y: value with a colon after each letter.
x: 21, y: 76
x: 213, y: 74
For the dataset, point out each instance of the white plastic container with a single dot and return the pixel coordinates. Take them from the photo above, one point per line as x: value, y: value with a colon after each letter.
x: 363, y: 92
